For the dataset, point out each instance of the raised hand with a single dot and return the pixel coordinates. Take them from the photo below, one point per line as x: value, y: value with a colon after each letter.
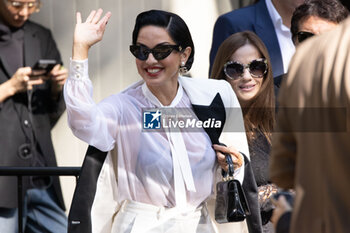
x: 88, y: 33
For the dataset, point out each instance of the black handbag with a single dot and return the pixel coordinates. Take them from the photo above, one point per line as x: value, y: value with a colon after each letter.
x: 231, y: 204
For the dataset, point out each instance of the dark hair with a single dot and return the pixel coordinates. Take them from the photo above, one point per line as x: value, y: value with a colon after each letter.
x: 331, y: 10
x: 174, y: 24
x: 346, y: 3
x: 259, y: 114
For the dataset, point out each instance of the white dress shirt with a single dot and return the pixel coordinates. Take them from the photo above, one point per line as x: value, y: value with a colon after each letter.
x: 160, y: 168
x: 284, y: 35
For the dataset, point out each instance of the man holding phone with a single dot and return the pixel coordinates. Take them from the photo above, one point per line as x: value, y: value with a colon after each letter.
x: 30, y: 105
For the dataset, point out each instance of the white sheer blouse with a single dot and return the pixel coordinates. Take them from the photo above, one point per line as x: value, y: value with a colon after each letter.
x: 160, y: 168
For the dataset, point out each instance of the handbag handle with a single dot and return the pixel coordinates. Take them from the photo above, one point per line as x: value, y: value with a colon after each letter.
x: 229, y: 162
x: 231, y: 170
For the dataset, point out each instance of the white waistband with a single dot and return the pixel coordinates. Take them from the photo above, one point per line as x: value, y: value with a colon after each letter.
x: 162, y: 212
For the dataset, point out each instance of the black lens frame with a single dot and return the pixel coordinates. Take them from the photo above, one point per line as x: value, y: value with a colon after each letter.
x: 142, y: 52
x: 302, y: 36
x: 247, y: 66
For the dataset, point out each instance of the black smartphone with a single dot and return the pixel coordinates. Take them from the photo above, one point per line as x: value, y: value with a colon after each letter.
x: 43, y: 67
x: 289, y: 196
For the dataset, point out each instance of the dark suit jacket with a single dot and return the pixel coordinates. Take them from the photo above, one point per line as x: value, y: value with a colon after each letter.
x: 277, y: 81
x: 16, y: 127
x: 253, y: 18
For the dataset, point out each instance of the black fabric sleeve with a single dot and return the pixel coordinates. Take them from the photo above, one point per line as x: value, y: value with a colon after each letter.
x: 251, y: 191
x: 284, y: 223
x: 79, y: 219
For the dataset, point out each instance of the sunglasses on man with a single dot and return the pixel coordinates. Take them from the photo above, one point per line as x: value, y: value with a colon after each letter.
x: 159, y: 52
x: 304, y: 35
x: 257, y: 68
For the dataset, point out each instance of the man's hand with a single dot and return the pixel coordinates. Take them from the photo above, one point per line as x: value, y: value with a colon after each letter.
x: 21, y: 80
x: 282, y: 207
x: 58, y: 76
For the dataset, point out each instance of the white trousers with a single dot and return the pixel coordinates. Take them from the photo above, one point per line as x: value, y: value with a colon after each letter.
x: 136, y: 217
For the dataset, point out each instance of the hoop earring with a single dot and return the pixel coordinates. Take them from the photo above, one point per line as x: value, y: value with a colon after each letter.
x: 183, y: 68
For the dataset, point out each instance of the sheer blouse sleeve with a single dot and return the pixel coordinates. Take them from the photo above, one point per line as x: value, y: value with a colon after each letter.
x: 96, y: 124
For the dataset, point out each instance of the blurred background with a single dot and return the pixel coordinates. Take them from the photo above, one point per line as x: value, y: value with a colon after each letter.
x: 111, y: 66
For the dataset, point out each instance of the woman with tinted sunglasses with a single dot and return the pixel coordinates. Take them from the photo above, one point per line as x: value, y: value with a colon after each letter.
x: 159, y: 180
x: 243, y: 61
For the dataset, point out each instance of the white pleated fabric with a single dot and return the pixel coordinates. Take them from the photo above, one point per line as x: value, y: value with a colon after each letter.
x: 135, y: 217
